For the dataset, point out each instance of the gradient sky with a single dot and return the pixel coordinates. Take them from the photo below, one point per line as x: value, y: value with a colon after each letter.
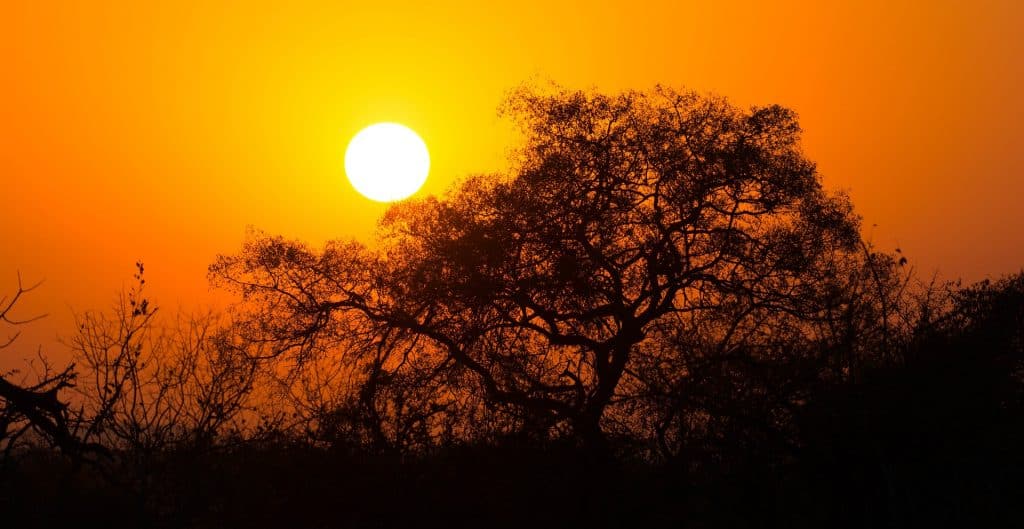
x: 159, y: 131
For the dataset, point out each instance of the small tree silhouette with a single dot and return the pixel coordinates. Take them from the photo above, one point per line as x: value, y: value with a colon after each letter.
x: 147, y: 387
x: 33, y: 405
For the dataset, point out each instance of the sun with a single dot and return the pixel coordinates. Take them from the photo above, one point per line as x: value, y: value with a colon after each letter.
x: 387, y: 162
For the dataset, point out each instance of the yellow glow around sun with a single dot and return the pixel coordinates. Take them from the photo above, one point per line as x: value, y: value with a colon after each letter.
x: 387, y: 162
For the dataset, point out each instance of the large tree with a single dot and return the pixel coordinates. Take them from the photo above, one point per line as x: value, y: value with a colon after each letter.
x: 549, y: 291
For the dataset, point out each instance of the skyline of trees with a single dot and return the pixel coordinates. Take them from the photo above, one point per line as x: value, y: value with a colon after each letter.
x: 659, y: 280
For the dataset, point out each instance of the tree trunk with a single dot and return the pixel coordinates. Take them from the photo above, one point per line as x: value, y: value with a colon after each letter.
x: 594, y: 443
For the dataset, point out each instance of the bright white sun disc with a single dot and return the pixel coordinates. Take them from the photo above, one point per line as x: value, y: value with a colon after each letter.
x: 387, y: 162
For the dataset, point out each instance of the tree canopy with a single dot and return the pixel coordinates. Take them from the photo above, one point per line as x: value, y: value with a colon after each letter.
x: 547, y: 292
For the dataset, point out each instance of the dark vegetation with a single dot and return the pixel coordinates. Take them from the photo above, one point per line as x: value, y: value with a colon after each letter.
x: 657, y: 318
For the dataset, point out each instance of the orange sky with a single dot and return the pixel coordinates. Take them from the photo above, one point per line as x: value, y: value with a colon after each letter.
x: 159, y: 131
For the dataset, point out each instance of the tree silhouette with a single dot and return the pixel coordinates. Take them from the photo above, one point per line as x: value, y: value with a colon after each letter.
x: 33, y: 405
x: 544, y: 290
x: 146, y: 388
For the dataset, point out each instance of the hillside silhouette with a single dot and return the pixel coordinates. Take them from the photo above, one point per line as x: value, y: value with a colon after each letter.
x: 657, y: 317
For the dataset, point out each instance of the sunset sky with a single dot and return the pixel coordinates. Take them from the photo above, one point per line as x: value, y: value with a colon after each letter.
x: 160, y: 131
